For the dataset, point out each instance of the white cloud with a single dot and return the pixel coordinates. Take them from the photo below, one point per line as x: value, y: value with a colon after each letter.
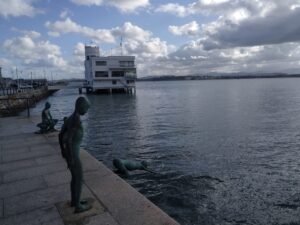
x: 15, y: 8
x: 189, y: 29
x: 213, y: 2
x: 128, y: 5
x: 122, y: 5
x: 31, y: 33
x: 241, y: 22
x: 294, y: 6
x: 87, y: 2
x: 69, y: 26
x: 240, y: 36
x: 248, y: 28
x: 65, y: 13
x: 136, y: 40
x: 176, y: 9
x: 140, y: 42
x: 238, y: 15
x: 5, y: 64
x: 79, y: 50
x: 76, y: 62
x: 191, y: 58
x: 130, y: 31
x: 34, y: 52
x: 35, y: 55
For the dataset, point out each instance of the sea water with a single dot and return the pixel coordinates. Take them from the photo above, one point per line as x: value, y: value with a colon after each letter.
x: 226, y: 151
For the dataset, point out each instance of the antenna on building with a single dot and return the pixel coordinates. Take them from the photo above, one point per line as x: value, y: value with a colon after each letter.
x: 121, y: 45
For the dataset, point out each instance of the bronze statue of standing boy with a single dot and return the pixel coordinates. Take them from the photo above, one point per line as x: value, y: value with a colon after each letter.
x: 70, y: 138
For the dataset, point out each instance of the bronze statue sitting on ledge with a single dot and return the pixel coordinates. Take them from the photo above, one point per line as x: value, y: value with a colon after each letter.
x: 48, y: 123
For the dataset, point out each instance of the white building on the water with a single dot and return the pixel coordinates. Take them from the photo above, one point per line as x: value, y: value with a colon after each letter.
x: 108, y: 73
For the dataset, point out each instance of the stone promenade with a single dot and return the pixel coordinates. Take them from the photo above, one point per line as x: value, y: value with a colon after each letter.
x: 34, y: 184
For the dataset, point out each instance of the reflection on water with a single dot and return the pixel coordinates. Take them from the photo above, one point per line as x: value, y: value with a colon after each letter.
x: 226, y: 151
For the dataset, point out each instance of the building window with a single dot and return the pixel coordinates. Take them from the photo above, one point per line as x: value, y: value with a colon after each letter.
x: 101, y: 63
x: 126, y: 63
x: 131, y: 74
x: 114, y: 82
x: 117, y: 73
x: 101, y: 74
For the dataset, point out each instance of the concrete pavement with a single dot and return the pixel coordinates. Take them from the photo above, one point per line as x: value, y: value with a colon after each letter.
x: 34, y: 184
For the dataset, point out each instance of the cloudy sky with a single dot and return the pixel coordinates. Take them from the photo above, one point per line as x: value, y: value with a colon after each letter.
x: 167, y: 37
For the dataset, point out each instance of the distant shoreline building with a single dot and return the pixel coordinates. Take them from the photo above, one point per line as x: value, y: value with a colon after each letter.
x: 108, y: 73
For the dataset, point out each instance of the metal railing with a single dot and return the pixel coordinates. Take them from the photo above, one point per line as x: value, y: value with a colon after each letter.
x: 11, y: 91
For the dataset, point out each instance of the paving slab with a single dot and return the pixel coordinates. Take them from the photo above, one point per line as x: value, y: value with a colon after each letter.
x: 33, y: 153
x: 15, y: 149
x: 15, y: 165
x: 125, y: 204
x: 13, y: 139
x: 52, y: 137
x: 10, y: 138
x: 45, y: 148
x: 34, y: 200
x: 22, y: 139
x: 7, y: 138
x: 54, y: 222
x: 14, y: 188
x: 49, y: 159
x: 54, y: 179
x: 44, y: 215
x: 41, y: 198
x: 89, y: 163
x: 35, y: 139
x: 18, y: 145
x: 15, y: 125
x: 97, y: 175
x: 103, y: 219
x: 30, y: 172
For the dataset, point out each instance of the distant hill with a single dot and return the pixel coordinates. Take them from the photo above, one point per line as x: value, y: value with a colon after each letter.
x: 216, y: 76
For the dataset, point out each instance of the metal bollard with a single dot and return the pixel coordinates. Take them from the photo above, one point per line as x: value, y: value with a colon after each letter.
x: 28, y: 110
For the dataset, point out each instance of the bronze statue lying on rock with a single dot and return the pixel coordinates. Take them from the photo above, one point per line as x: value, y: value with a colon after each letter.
x: 123, y: 166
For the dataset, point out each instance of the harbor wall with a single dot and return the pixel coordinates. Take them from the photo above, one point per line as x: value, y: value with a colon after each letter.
x: 12, y: 104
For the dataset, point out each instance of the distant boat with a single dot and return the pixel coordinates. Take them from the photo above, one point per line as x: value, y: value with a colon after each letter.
x: 108, y: 73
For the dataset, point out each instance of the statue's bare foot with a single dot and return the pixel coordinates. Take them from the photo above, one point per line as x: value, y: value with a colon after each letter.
x: 83, y: 202
x: 82, y: 208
